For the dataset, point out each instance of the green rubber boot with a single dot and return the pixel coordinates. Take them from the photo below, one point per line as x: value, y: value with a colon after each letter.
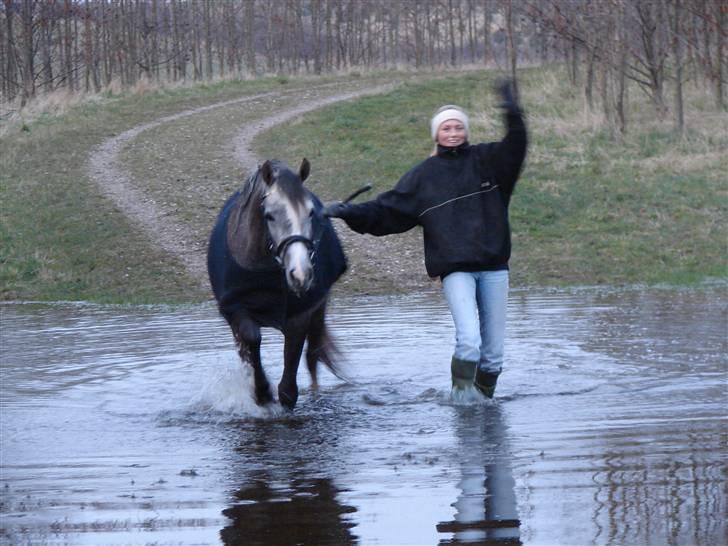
x: 463, y: 373
x: 485, y: 382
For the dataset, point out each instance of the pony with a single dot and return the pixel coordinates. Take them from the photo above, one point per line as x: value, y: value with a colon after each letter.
x: 272, y: 258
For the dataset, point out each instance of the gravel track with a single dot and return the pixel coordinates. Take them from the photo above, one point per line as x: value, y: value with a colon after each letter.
x: 176, y: 238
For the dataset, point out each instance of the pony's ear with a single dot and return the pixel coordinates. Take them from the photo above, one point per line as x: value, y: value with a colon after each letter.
x: 266, y: 172
x: 305, y: 169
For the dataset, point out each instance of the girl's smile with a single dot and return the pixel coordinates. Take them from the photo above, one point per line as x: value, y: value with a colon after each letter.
x: 451, y: 133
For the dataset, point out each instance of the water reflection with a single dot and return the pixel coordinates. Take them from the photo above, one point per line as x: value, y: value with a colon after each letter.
x: 486, y: 510
x: 611, y: 418
x: 647, y: 492
x: 301, y: 510
x: 289, y: 497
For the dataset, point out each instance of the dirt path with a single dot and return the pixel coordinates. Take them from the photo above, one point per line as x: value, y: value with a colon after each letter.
x: 105, y: 168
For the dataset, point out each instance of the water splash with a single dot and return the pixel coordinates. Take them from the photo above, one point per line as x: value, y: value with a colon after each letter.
x: 227, y: 393
x: 469, y: 397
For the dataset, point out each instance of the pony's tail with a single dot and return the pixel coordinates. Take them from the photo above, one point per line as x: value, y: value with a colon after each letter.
x: 322, y: 348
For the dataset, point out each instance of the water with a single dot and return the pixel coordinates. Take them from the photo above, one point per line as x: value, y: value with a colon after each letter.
x: 135, y: 425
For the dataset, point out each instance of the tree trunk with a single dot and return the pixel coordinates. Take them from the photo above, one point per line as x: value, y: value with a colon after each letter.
x: 451, y: 29
x: 95, y: 60
x: 621, y: 98
x: 574, y: 57
x: 316, y: 35
x: 220, y: 36
x: 196, y: 39
x: 156, y: 32
x: 106, y: 42
x: 720, y: 55
x: 417, y: 31
x: 28, y: 51
x: 677, y: 55
x: 512, y: 53
x: 487, y: 18
x: 329, y: 37
x: 46, y: 40
x: 176, y: 42
x: 207, y: 16
x: 250, y: 37
x: 131, y: 45
x: 604, y: 93
x: 68, y: 46
x: 88, y: 47
x: 472, y: 43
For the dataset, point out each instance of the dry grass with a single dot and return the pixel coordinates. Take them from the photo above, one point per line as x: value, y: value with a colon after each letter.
x: 589, y: 208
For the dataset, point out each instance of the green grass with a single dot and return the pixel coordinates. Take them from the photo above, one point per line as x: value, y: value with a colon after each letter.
x: 59, y: 238
x: 589, y: 208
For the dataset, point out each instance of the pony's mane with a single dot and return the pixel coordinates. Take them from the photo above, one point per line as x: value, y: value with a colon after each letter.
x: 246, y: 235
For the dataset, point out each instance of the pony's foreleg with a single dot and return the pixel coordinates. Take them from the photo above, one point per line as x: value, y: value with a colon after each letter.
x: 247, y: 334
x: 295, y: 336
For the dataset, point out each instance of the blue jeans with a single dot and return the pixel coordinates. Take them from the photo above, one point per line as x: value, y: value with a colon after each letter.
x: 478, y: 303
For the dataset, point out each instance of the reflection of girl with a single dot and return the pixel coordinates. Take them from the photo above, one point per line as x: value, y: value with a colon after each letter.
x: 460, y: 197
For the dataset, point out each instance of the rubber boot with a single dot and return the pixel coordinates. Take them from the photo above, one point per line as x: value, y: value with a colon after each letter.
x: 485, y: 382
x: 463, y: 373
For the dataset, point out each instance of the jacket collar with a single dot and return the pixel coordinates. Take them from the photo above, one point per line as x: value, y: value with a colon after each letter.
x: 452, y: 153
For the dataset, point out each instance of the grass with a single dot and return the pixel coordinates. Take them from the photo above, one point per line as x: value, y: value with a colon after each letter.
x: 589, y: 209
x: 59, y: 238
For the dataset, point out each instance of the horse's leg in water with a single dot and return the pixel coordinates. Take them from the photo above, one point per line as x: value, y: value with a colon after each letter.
x: 317, y: 340
x: 247, y: 334
x: 295, y: 335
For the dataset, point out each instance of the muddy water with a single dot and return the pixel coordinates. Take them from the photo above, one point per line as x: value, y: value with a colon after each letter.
x: 134, y: 425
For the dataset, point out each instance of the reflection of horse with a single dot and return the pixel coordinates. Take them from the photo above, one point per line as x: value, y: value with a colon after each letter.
x: 300, y: 511
x: 272, y: 259
x: 282, y: 495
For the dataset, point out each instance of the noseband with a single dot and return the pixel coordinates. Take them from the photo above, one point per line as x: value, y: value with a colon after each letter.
x: 288, y: 241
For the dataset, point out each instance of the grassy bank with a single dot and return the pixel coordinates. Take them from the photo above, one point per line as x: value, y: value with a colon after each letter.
x: 59, y: 238
x: 589, y: 209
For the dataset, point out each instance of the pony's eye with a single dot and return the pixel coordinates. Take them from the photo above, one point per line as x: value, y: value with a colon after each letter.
x: 268, y: 217
x: 310, y: 214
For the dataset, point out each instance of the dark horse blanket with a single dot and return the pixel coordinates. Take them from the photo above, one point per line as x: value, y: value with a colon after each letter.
x: 262, y: 292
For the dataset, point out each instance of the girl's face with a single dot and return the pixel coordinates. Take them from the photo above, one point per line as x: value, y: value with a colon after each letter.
x: 451, y: 133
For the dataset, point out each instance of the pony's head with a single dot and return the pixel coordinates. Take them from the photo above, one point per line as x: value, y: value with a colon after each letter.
x: 288, y: 211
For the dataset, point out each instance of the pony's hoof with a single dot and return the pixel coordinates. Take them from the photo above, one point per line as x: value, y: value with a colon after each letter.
x: 263, y: 397
x: 287, y: 400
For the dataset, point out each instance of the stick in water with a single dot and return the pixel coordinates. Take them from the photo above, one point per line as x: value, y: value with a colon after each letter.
x: 358, y: 192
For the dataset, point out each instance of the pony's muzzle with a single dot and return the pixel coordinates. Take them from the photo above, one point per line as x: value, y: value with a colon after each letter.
x: 298, y: 268
x: 300, y: 279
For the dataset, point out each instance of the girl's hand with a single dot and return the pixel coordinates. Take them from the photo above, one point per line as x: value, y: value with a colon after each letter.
x: 334, y: 209
x: 506, y: 90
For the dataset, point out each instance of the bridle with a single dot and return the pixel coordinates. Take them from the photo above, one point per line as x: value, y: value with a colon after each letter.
x: 280, y: 250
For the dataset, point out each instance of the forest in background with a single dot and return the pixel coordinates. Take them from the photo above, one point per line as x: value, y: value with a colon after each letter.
x: 88, y: 46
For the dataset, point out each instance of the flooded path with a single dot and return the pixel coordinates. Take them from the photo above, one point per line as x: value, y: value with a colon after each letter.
x: 134, y: 425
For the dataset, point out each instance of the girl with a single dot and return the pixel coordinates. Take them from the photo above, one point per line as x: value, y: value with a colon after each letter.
x: 460, y: 197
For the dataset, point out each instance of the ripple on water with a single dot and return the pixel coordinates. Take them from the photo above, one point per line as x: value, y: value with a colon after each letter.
x: 608, y: 426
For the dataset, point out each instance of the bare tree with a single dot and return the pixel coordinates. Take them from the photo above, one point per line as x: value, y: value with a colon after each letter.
x: 677, y: 47
x: 83, y: 45
x: 510, y: 32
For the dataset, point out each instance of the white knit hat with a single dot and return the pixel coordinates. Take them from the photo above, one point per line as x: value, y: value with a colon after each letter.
x: 449, y: 111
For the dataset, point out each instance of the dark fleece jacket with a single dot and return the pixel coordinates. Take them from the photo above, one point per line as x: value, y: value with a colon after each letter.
x: 460, y: 197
